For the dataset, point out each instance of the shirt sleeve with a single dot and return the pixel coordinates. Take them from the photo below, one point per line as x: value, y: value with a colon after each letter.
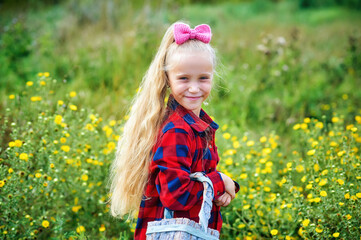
x: 173, y: 160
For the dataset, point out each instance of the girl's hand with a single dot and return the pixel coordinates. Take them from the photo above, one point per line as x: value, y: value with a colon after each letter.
x: 229, y: 185
x: 224, y: 200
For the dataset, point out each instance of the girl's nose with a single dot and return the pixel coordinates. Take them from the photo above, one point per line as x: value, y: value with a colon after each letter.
x: 193, y: 88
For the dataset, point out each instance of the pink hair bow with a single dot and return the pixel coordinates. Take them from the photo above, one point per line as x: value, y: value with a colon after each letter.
x: 182, y: 33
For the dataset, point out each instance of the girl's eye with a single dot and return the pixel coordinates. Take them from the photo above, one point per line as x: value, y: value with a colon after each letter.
x: 183, y: 78
x: 204, y: 78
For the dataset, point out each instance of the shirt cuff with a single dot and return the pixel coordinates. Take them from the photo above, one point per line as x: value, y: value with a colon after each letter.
x: 218, y: 184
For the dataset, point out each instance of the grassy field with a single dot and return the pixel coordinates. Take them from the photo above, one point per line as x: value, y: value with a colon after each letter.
x: 287, y: 99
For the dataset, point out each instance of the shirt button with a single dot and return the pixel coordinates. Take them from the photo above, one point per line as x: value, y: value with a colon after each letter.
x: 210, y: 146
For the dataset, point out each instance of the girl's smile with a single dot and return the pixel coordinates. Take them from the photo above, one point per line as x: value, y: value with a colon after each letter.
x: 190, y: 80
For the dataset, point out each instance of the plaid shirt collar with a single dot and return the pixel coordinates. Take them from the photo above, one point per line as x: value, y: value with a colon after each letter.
x: 200, y: 124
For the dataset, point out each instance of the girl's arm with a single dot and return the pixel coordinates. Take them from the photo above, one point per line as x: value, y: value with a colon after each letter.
x: 172, y: 159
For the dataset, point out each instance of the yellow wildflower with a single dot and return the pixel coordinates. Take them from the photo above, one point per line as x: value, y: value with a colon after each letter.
x: 102, y: 228
x: 29, y: 83
x: 45, y: 223
x: 2, y: 183
x: 24, y: 157
x: 65, y: 148
x: 250, y: 143
x: 336, y: 234
x: 12, y: 96
x: 274, y: 232
x: 306, y: 222
x: 58, y: 119
x: 226, y: 136
x: 72, y: 94
x: 80, y: 229
x: 73, y: 107
x: 319, y: 230
x: 46, y: 74
x: 311, y: 152
x: 84, y: 177
x: 323, y: 193
x: 18, y: 143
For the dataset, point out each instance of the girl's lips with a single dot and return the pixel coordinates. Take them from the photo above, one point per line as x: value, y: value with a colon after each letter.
x: 193, y: 98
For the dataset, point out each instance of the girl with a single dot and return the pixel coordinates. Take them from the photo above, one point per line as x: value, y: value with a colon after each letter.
x: 161, y: 145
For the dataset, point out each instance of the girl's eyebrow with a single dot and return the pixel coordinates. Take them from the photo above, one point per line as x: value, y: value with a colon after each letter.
x: 186, y: 74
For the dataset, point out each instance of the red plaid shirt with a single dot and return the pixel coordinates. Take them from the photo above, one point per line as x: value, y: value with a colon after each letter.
x: 181, y: 149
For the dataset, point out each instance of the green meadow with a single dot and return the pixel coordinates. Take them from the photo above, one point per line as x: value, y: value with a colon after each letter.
x: 286, y: 96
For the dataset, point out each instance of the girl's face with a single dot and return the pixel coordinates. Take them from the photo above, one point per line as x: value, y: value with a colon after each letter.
x: 190, y: 80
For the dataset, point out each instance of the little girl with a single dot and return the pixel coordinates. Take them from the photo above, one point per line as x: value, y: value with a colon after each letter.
x: 162, y: 145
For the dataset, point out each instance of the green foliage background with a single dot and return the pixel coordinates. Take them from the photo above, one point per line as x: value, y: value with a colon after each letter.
x: 280, y: 62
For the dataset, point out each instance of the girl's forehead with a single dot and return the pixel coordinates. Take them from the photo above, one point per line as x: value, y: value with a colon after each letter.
x: 190, y: 59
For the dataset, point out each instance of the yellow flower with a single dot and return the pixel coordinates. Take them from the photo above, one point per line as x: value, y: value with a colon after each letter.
x: 335, y: 119
x: 263, y: 139
x: 242, y: 225
x: 40, y: 74
x: 226, y: 136
x: 72, y: 94
x: 46, y: 74
x: 322, y: 182
x: 250, y: 143
x: 319, y: 125
x: 347, y: 196
x: 306, y: 222
x: 80, y: 229
x: 341, y: 203
x: 38, y: 175
x: 35, y: 98
x: 12, y: 96
x: 42, y: 83
x: 296, y: 126
x: 229, y: 161
x: 63, y: 140
x: 236, y: 144
x: 58, y: 119
x: 102, y: 228
x: 317, y: 199
x: 24, y: 156
x: 245, y: 207
x: 300, y: 168
x: 336, y: 234
x: 75, y: 208
x: 84, y: 177
x: 319, y: 230
x: 60, y: 102
x: 311, y: 152
x: 323, y: 193
x: 243, y: 176
x: 10, y: 170
x: 341, y: 153
x: 65, y: 148
x: 274, y: 232
x: 358, y: 195
x: 267, y: 189
x: 73, y: 107
x: 307, y: 120
x: 18, y: 143
x: 45, y: 224
x: 340, y: 181
x: 29, y: 83
x: 316, y: 167
x: 348, y: 216
x: 2, y: 183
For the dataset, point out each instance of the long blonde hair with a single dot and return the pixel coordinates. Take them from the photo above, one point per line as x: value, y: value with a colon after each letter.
x: 130, y: 169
